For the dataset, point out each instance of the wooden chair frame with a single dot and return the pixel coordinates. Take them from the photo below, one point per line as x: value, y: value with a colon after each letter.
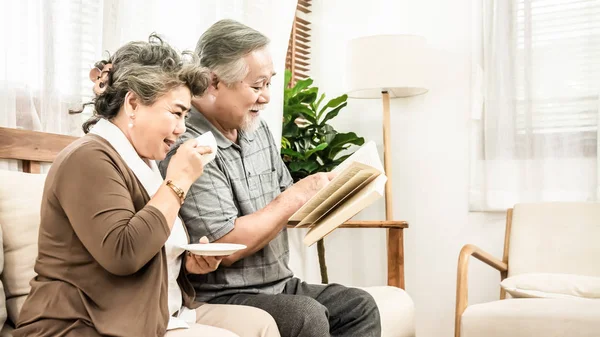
x: 462, y: 291
x: 34, y: 148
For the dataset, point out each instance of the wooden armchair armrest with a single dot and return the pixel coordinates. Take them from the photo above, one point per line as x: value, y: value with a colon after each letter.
x: 462, y: 294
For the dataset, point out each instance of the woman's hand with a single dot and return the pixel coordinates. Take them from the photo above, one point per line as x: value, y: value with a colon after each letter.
x: 186, y: 165
x: 197, y: 264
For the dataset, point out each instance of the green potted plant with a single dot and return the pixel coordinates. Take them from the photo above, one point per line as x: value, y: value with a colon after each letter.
x: 308, y: 143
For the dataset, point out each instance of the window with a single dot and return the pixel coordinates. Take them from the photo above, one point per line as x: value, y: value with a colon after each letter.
x: 536, y: 136
x: 558, y: 75
x: 48, y: 50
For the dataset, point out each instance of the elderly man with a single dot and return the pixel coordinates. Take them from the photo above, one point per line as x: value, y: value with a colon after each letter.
x: 246, y: 196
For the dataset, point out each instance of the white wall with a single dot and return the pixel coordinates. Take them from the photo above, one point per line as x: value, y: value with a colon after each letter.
x: 430, y: 159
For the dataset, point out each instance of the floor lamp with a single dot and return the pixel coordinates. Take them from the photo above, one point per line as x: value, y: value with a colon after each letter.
x: 384, y: 67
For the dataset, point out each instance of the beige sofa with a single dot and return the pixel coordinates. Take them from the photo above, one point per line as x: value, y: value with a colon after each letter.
x: 20, y: 199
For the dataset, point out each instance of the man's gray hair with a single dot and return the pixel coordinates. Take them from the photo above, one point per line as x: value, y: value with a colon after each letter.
x: 223, y: 46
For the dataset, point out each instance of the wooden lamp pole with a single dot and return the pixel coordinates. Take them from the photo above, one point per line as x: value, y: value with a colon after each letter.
x: 394, y: 235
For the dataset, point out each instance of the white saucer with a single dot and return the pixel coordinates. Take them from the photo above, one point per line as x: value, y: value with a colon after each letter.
x: 213, y: 249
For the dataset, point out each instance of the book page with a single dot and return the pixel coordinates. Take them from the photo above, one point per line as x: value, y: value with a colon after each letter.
x: 359, y: 201
x: 365, y: 158
x: 346, y: 191
x: 340, y: 180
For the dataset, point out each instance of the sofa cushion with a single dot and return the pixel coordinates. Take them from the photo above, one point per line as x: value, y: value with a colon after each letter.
x: 396, y: 309
x: 526, y: 317
x: 20, y: 200
x: 2, y: 296
x: 547, y: 285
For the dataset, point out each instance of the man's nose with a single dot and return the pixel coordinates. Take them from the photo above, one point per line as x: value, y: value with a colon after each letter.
x: 265, y: 96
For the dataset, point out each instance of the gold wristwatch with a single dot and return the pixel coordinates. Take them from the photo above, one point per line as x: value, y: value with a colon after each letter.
x: 178, y: 191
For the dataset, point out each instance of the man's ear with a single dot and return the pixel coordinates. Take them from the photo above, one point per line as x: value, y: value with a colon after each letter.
x: 213, y: 88
x: 214, y: 80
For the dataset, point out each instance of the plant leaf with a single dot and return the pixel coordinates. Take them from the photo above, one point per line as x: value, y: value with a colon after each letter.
x: 287, y: 78
x: 315, y: 106
x: 332, y: 113
x: 292, y: 153
x: 319, y: 148
x: 289, y: 130
x: 301, y: 85
x: 298, y: 110
x: 306, y: 97
x: 307, y: 166
x: 342, y: 141
x: 328, y: 133
x: 286, y: 85
x: 333, y: 103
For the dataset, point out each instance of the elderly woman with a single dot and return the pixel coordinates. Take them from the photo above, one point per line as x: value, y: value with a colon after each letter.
x: 109, y: 261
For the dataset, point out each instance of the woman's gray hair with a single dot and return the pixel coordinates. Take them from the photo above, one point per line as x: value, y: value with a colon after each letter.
x: 223, y: 46
x: 150, y: 70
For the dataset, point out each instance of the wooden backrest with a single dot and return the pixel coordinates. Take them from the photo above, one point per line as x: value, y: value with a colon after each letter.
x: 31, y: 147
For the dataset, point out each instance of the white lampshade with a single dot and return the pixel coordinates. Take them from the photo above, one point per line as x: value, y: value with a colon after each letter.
x: 393, y: 63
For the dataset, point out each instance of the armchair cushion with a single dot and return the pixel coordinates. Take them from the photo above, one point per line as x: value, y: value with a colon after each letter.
x: 526, y: 317
x: 20, y: 200
x: 548, y: 285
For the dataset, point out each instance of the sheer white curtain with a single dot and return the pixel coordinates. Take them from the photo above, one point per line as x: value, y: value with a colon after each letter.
x: 535, y: 120
x: 49, y: 46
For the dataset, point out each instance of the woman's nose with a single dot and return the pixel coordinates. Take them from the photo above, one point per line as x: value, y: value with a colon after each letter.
x: 180, y: 128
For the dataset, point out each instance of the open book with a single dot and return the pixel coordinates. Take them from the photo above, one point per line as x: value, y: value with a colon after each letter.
x: 360, y: 181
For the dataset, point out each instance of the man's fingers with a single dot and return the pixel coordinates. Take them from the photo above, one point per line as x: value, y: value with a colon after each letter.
x: 203, y: 239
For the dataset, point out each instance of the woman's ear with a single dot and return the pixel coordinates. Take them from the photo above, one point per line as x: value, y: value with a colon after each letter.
x: 131, y: 102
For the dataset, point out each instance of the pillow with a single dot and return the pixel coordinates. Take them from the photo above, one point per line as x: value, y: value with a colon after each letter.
x: 546, y: 285
x: 20, y: 200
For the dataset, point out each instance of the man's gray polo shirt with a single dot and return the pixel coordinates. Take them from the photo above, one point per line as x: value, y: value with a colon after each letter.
x: 242, y: 179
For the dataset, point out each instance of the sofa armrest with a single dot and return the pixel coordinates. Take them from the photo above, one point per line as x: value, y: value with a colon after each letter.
x: 462, y: 291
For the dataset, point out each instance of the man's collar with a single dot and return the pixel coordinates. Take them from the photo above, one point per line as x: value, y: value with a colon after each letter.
x: 198, y: 122
x: 247, y: 135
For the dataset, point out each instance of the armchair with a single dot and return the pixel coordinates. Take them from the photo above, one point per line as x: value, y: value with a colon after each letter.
x: 556, y: 238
